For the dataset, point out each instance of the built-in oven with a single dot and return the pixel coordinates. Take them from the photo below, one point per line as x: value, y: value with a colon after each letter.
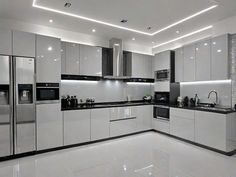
x: 161, y: 112
x: 162, y: 75
x: 47, y: 93
x: 162, y: 98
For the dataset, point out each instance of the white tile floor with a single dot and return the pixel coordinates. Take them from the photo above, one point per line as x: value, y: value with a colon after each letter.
x: 143, y: 155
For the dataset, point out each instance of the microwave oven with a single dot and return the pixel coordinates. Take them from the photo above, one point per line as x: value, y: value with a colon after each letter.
x: 162, y: 75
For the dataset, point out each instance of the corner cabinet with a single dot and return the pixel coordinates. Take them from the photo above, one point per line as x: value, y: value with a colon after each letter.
x: 48, y: 59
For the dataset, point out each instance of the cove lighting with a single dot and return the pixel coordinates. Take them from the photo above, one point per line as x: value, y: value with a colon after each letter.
x: 206, y: 82
x: 121, y: 27
x: 79, y: 81
x: 139, y: 83
x: 184, y: 36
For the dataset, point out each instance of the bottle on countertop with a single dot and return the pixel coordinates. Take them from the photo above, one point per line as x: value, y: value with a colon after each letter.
x: 63, y: 102
x: 68, y: 101
x: 196, y: 99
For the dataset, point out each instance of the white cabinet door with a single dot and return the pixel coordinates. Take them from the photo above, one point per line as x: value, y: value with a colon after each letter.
x: 90, y: 60
x: 144, y: 117
x: 137, y: 65
x: 189, y: 63
x: 6, y: 42
x: 49, y: 126
x: 123, y: 112
x: 220, y: 58
x: 210, y: 129
x: 76, y: 126
x: 182, y: 123
x: 48, y: 62
x: 161, y: 125
x: 179, y: 65
x: 23, y: 44
x: 203, y: 61
x: 63, y: 57
x: 162, y: 61
x: 100, y: 124
x: 72, y: 58
x: 123, y: 127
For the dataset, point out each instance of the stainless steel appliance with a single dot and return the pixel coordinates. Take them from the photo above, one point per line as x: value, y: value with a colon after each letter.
x: 161, y: 112
x: 47, y: 93
x: 17, y: 105
x: 162, y: 98
x: 162, y: 75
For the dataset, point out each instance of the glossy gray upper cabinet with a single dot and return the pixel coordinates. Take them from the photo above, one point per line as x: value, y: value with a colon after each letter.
x: 63, y: 58
x: 141, y: 66
x: 23, y: 44
x: 72, y: 54
x: 179, y: 65
x: 189, y: 63
x: 90, y: 60
x: 220, y: 57
x: 203, y: 60
x: 162, y: 61
x: 48, y: 61
x: 6, y: 42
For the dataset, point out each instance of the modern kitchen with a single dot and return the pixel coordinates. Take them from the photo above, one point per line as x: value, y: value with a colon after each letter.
x: 135, y: 89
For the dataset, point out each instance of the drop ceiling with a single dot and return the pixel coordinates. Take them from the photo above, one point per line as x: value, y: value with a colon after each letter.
x: 140, y: 14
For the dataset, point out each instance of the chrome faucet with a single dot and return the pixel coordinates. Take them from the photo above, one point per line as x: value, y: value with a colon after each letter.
x: 213, y: 91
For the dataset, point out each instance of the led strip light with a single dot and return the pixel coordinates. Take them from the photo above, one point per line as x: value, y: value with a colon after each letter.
x: 121, y: 27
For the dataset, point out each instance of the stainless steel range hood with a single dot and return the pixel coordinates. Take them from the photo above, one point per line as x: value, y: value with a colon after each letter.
x: 118, y: 64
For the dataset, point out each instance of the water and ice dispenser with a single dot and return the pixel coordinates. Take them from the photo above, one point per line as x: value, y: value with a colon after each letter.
x: 25, y: 93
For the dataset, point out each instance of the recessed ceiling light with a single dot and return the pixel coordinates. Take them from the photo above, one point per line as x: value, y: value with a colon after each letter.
x: 51, y: 20
x: 34, y: 4
x: 93, y: 30
x: 124, y: 21
x: 49, y: 48
x: 153, y: 42
x: 149, y: 28
x: 133, y: 39
x: 67, y: 5
x: 177, y: 32
x: 184, y: 36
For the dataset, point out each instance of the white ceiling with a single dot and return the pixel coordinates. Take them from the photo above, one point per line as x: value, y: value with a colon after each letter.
x: 139, y: 13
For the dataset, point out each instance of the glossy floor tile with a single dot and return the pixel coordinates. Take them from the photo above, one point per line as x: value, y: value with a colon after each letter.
x: 144, y: 155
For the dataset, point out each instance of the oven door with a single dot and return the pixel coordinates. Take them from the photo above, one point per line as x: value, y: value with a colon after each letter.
x: 161, y: 112
x: 47, y: 95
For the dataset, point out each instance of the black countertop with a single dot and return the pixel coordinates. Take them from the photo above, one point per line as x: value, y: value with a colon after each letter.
x: 108, y: 105
x: 215, y: 110
x: 140, y: 103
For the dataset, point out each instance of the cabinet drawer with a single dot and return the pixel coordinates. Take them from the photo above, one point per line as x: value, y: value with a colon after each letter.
x: 122, y: 113
x: 161, y: 125
x: 123, y: 127
x: 181, y: 113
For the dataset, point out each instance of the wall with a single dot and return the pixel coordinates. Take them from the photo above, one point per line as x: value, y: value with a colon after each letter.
x: 223, y: 89
x: 105, y: 91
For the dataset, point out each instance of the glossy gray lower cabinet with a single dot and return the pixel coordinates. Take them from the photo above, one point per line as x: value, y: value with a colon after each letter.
x: 76, y: 126
x: 49, y: 126
x: 100, y: 123
x: 144, y: 117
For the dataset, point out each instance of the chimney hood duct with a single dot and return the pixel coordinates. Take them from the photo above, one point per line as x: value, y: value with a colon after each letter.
x: 117, y: 46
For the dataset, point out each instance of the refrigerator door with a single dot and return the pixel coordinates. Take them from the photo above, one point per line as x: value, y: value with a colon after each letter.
x: 25, y: 116
x: 6, y: 140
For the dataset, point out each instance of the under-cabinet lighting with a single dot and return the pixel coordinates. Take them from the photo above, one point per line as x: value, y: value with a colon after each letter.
x: 79, y: 81
x: 206, y: 82
x: 34, y: 4
x: 139, y: 83
x: 184, y: 36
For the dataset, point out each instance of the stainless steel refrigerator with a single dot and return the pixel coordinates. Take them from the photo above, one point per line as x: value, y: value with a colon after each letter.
x: 17, y: 105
